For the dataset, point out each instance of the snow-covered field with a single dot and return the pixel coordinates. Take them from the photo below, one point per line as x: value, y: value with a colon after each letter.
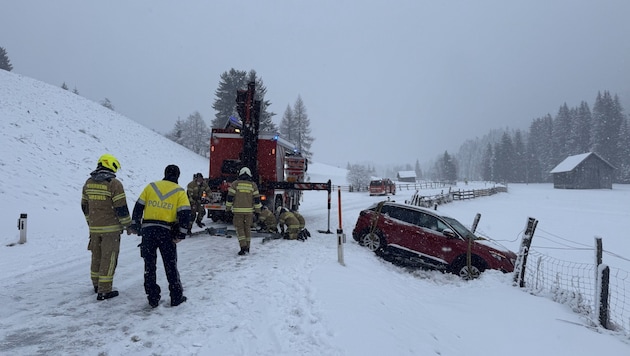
x: 287, y: 297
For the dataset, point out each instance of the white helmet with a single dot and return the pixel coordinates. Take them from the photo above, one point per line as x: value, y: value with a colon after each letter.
x: 245, y: 170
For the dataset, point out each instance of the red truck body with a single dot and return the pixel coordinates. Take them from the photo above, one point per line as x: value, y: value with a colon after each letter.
x: 279, y: 166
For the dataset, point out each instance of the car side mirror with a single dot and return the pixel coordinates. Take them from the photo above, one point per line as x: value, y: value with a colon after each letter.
x: 449, y: 233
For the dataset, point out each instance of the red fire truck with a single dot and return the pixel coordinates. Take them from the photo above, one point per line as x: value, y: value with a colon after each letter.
x: 276, y: 166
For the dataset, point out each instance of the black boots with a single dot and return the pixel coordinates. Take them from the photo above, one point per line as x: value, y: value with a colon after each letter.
x: 108, y: 295
x: 243, y: 251
x: 200, y: 224
x: 179, y: 301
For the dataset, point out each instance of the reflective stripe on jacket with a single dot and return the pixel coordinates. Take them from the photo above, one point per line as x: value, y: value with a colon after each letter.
x: 162, y: 201
x: 104, y: 203
x: 243, y: 197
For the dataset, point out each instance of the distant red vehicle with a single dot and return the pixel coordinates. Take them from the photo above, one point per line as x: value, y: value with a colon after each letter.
x: 419, y: 237
x: 382, y: 187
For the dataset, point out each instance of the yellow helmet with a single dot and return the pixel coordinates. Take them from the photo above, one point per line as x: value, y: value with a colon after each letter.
x: 110, y: 162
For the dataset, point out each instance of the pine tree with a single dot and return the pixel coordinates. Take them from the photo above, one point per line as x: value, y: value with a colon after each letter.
x: 288, y: 128
x: 108, y: 104
x: 486, y: 164
x: 607, y: 119
x: 64, y: 86
x: 418, y: 170
x: 225, y: 99
x: 520, y: 154
x: 581, y: 133
x: 446, y: 168
x: 5, y: 63
x: 623, y: 169
x: 75, y: 90
x: 303, y: 128
x: 193, y: 133
x: 560, y: 130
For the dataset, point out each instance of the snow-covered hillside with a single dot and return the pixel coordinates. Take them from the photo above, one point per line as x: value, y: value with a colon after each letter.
x: 286, y: 298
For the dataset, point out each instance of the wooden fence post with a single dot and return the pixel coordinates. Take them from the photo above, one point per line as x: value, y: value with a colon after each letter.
x: 521, y: 259
x: 603, y: 309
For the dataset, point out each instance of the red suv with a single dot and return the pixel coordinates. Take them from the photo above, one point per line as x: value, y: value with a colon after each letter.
x: 382, y: 187
x: 419, y: 237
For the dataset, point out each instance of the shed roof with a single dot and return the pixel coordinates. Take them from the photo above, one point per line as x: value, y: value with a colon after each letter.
x: 571, y: 162
x: 407, y: 174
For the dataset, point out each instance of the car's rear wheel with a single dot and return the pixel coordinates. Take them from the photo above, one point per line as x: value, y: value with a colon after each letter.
x: 374, y: 241
x: 461, y: 269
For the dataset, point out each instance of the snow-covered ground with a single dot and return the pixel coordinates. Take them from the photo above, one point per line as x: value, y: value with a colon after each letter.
x: 287, y: 297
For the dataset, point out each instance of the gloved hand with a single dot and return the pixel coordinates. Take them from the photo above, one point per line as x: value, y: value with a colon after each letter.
x: 256, y: 217
x: 228, y: 209
x: 180, y: 236
x: 133, y: 229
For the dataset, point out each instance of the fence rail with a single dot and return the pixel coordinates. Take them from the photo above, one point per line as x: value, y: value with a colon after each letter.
x: 399, y: 186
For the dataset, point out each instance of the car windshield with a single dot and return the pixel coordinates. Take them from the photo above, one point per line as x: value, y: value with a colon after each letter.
x: 376, y: 182
x: 461, y: 229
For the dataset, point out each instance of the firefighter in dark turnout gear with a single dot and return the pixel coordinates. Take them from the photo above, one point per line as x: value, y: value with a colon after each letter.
x: 303, y: 233
x: 267, y: 221
x: 286, y: 218
x: 104, y: 205
x: 195, y: 190
x: 162, y: 215
x: 243, y: 200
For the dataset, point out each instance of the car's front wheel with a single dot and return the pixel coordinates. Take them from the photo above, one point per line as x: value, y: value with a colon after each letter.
x: 374, y: 241
x: 461, y: 269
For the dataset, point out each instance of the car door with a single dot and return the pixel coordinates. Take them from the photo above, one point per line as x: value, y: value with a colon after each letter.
x: 409, y: 234
x: 434, y: 242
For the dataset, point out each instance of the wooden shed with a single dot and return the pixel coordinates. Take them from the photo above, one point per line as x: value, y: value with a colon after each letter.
x: 407, y: 176
x: 583, y: 171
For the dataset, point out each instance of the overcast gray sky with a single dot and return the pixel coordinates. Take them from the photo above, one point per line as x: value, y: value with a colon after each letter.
x: 382, y: 81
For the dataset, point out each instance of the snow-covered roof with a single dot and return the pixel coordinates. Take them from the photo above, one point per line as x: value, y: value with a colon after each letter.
x: 571, y: 162
x: 407, y: 174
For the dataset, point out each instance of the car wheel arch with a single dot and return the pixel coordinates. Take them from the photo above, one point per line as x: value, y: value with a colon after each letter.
x: 460, y: 263
x: 377, y: 243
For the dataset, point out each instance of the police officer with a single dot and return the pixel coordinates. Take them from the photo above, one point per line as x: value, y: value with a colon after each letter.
x: 195, y: 190
x: 243, y: 200
x: 104, y: 205
x: 164, y: 209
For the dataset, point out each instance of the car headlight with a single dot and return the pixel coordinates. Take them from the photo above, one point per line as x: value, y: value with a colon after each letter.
x: 497, y: 255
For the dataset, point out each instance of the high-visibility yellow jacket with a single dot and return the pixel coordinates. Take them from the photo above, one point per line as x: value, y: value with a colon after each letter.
x: 243, y: 197
x: 104, y: 203
x: 163, y: 203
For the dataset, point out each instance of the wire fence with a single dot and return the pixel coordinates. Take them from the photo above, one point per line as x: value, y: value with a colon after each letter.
x: 575, y: 284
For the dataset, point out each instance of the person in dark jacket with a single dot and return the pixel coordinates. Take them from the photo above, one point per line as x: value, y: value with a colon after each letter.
x: 162, y: 215
x: 104, y: 205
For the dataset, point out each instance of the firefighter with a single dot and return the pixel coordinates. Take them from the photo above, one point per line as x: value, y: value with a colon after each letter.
x: 162, y: 216
x: 243, y: 200
x: 195, y: 190
x: 104, y: 205
x: 267, y: 221
x: 285, y: 217
x: 303, y: 233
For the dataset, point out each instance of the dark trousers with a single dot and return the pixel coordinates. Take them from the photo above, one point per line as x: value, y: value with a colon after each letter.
x: 154, y: 238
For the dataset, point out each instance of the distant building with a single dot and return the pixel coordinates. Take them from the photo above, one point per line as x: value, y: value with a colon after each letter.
x: 407, y: 176
x: 583, y: 171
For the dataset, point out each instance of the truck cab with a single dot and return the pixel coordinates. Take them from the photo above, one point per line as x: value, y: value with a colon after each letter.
x: 382, y: 186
